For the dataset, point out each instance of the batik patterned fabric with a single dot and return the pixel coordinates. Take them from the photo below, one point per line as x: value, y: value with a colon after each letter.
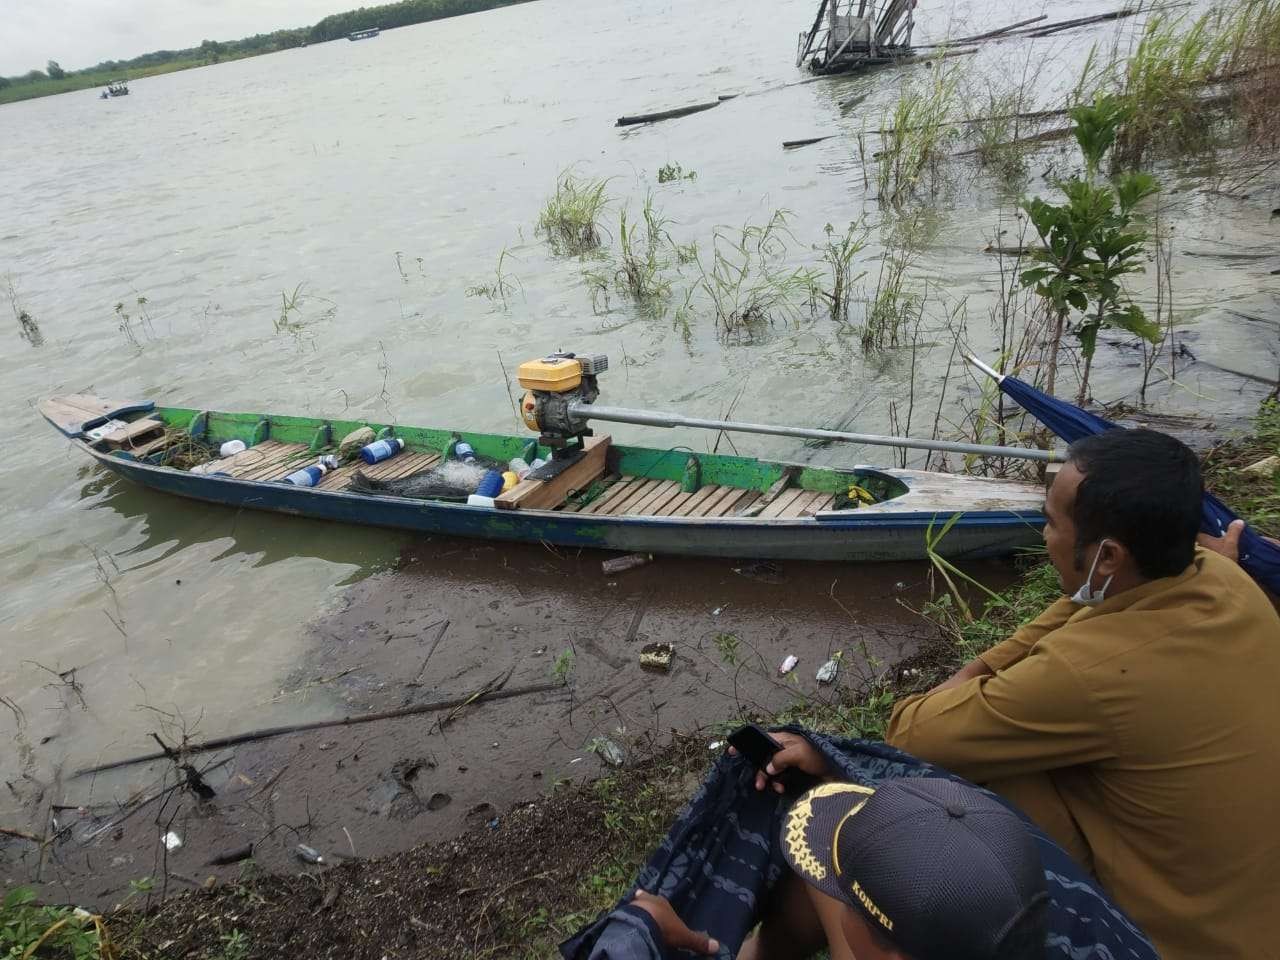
x: 723, y: 857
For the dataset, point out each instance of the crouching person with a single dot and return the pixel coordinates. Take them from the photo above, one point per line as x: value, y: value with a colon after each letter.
x: 889, y: 857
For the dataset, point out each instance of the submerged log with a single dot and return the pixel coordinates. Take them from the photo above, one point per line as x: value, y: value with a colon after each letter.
x: 667, y: 114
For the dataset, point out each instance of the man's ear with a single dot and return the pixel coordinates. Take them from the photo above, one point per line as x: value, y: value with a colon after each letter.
x: 1113, y: 557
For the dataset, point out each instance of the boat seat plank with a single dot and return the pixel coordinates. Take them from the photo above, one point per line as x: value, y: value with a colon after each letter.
x: 718, y: 495
x: 340, y: 479
x: 246, y: 460
x: 731, y: 505
x: 409, y: 464
x: 696, y: 501
x: 661, y: 492
x: 284, y: 468
x: 390, y: 468
x: 669, y: 508
x: 726, y: 503
x: 821, y: 501
x: 285, y: 454
x: 801, y: 504
x: 533, y: 494
x: 70, y: 413
x: 269, y: 468
x: 622, y: 504
x: 783, y: 501
x: 655, y: 504
x: 825, y: 502
x: 616, y: 489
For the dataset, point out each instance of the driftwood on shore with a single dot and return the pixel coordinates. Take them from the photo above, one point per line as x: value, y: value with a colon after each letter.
x: 490, y: 691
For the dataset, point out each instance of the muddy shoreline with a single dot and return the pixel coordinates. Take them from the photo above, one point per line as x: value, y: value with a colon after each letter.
x: 450, y: 618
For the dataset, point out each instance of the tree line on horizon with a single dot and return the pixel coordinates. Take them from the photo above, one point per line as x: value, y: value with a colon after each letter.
x: 333, y: 27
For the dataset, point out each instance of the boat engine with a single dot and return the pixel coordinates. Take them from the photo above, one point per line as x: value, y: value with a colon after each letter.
x: 553, y: 384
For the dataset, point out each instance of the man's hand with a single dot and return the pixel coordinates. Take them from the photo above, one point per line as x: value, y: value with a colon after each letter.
x: 675, y: 933
x: 797, y: 753
x: 1228, y: 544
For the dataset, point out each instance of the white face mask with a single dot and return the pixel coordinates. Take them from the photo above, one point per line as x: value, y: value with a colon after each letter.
x: 1086, y: 596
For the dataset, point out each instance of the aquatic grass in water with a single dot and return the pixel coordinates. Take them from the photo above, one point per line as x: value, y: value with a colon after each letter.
x: 749, y: 282
x: 916, y: 134
x: 996, y: 133
x: 671, y: 172
x: 1162, y: 88
x: 28, y: 329
x: 1252, y: 60
x: 894, y: 305
x: 643, y: 264
x: 570, y: 220
x: 500, y: 287
x: 837, y: 256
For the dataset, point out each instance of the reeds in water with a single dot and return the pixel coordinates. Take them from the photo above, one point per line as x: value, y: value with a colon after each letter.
x: 570, y: 220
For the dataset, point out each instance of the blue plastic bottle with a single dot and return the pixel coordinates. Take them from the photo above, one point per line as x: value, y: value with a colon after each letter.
x: 491, y: 485
x: 464, y: 452
x: 307, y: 476
x: 381, y: 450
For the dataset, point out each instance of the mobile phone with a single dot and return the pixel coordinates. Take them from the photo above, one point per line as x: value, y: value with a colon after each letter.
x: 754, y: 744
x: 758, y: 747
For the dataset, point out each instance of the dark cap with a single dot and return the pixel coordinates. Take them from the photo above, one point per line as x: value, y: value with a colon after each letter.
x: 940, y: 869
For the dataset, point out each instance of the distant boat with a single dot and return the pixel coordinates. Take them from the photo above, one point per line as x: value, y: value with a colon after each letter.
x: 364, y: 34
x: 116, y: 88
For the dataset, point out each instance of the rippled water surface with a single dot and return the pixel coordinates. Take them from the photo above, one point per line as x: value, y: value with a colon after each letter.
x: 380, y: 179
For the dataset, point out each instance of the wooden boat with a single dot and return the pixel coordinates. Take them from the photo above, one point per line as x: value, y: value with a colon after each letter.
x: 638, y: 499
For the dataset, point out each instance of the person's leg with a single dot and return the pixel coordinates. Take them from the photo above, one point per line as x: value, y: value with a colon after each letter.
x: 798, y: 922
x: 830, y: 912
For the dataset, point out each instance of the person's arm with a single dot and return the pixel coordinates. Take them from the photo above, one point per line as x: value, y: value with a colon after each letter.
x: 1229, y: 543
x: 1033, y: 716
x: 1008, y: 652
x: 645, y: 929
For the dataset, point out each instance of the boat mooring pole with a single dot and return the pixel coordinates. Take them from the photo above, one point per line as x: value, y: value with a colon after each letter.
x: 651, y: 418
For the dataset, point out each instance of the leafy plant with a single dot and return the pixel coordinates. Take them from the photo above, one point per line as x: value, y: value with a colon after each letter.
x: 28, y: 928
x: 235, y: 945
x: 727, y: 645
x: 563, y: 666
x: 670, y: 172
x: 1090, y: 242
x: 570, y: 218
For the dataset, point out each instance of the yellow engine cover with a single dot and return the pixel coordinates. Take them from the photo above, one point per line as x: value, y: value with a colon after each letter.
x: 552, y: 374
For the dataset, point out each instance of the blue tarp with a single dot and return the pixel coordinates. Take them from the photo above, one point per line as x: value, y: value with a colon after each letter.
x: 1258, y: 556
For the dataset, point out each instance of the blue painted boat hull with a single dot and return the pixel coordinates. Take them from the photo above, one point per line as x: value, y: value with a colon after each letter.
x: 856, y: 536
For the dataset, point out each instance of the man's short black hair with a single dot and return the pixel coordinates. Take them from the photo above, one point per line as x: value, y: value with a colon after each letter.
x: 1142, y: 488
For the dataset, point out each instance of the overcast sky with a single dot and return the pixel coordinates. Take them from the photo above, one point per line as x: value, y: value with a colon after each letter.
x: 81, y: 33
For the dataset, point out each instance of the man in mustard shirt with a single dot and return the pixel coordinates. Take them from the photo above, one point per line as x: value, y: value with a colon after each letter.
x: 1137, y: 720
